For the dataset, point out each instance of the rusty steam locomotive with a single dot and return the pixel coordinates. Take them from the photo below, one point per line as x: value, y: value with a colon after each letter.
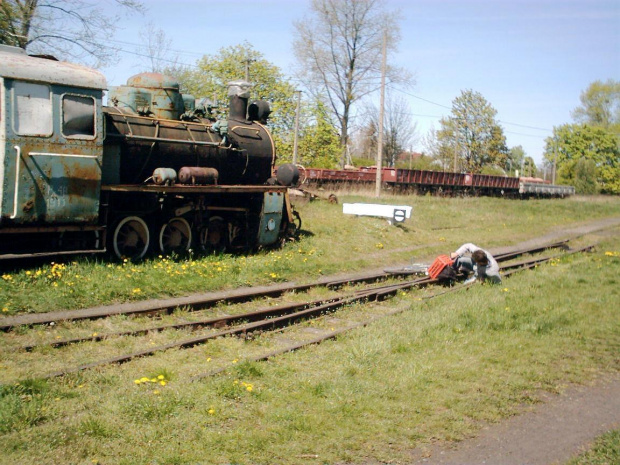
x: 151, y: 170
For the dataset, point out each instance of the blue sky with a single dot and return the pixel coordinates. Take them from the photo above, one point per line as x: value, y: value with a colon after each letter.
x: 529, y: 59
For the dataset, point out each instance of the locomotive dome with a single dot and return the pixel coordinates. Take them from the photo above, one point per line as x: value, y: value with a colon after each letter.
x: 152, y: 94
x: 153, y: 81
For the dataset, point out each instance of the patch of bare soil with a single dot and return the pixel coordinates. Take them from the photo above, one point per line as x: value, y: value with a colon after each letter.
x: 553, y: 432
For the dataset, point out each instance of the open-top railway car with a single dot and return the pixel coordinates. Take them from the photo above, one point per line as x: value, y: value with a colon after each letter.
x: 148, y: 171
x: 440, y: 182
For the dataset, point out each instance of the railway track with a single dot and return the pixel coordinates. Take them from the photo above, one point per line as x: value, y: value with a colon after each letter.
x: 204, y: 301
x: 284, y: 315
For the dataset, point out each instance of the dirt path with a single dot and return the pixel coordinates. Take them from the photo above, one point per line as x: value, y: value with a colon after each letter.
x: 553, y: 432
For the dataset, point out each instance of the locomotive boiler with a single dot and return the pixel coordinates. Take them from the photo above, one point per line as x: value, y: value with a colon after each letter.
x: 151, y: 170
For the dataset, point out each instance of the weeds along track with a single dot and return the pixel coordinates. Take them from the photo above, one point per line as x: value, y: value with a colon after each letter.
x: 343, y: 293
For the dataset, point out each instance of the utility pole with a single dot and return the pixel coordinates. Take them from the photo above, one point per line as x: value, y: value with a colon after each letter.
x: 247, y: 62
x: 555, y: 159
x: 381, y: 111
x: 296, y: 127
x: 456, y: 143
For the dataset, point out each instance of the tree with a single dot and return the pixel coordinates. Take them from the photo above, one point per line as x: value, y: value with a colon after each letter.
x: 338, y: 48
x: 515, y: 160
x: 156, y: 50
x: 398, y: 129
x: 77, y: 30
x: 472, y: 134
x: 212, y: 74
x: 442, y: 154
x: 319, y: 143
x: 600, y: 105
x: 571, y: 143
x: 528, y: 168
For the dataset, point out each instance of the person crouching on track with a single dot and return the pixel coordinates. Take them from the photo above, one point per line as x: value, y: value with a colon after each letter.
x: 480, y: 262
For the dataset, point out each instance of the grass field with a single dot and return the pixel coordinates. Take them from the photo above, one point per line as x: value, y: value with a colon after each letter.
x: 438, y: 370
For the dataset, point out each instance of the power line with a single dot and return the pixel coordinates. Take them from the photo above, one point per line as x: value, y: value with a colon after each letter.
x: 195, y: 66
x: 420, y: 98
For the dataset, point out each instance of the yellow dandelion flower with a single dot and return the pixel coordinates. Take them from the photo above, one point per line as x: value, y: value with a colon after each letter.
x: 161, y: 377
x: 249, y: 388
x: 235, y: 360
x: 211, y: 411
x: 153, y: 380
x: 208, y: 359
x: 156, y: 392
x: 137, y: 381
x: 163, y: 383
x: 144, y: 379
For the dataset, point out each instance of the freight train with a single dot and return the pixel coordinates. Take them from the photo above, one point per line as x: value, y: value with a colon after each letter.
x: 151, y: 170
x: 439, y: 182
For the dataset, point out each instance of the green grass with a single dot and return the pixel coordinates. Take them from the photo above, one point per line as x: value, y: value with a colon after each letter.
x: 332, y: 243
x: 604, y: 451
x: 439, y: 370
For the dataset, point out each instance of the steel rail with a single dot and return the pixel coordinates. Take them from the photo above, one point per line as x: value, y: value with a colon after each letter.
x: 200, y: 302
x: 265, y: 312
x: 333, y: 334
x: 329, y: 306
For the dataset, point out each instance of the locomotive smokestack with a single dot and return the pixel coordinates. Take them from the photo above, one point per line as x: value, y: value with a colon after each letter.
x: 238, y: 93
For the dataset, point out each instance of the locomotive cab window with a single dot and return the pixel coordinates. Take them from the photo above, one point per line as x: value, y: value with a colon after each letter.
x: 32, y: 105
x: 78, y: 117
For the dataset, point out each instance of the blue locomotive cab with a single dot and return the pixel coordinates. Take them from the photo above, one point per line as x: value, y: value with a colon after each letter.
x: 51, y: 141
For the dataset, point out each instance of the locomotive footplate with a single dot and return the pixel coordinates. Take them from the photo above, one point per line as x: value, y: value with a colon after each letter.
x: 186, y: 189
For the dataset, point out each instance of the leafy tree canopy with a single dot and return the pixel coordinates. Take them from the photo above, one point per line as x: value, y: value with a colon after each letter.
x: 319, y: 143
x: 472, y: 134
x: 572, y: 143
x: 210, y: 79
x: 600, y: 105
x: 212, y: 74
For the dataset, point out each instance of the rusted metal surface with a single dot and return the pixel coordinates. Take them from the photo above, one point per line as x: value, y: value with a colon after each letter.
x: 206, y: 300
x: 55, y: 157
x: 187, y: 189
x: 271, y: 322
x: 198, y: 176
x: 52, y: 141
x: 438, y: 181
x: 197, y: 301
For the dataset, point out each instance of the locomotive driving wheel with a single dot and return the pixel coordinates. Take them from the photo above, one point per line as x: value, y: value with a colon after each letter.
x: 175, y: 236
x: 130, y: 238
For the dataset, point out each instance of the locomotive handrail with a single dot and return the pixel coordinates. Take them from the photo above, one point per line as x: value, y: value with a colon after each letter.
x: 176, y: 141
x: 189, y: 131
x: 67, y: 155
x: 18, y: 157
